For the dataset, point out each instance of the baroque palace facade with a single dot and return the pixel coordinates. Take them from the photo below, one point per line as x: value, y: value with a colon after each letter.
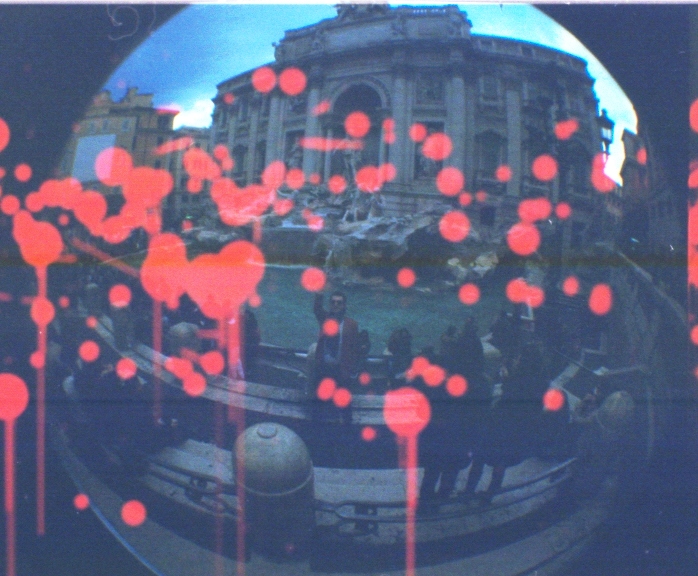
x: 497, y: 99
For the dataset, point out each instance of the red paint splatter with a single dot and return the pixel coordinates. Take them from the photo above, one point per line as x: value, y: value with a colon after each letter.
x: 322, y: 108
x: 23, y: 172
x: 337, y: 184
x: 437, y: 146
x: 174, y: 146
x: 419, y: 365
x: 180, y: 367
x: 199, y: 165
x: 388, y: 124
x: 418, y: 132
x: 456, y: 385
x: 220, y: 152
x: 187, y: 225
x: 503, y: 173
x: 120, y: 296
x: 314, y: 222
x: 194, y: 384
x: 330, y: 327
x: 42, y: 311
x: 255, y: 300
x: 570, y: 287
x: 465, y: 199
x: 368, y: 433
x: 566, y: 128
x: 532, y: 209
x: 692, y: 115
x: 481, y: 196
x: 37, y: 360
x: 406, y: 412
x: 368, y: 179
x: 292, y: 81
x: 14, y: 397
x: 133, y: 513
x: 91, y: 322
x: 274, y: 174
x: 563, y: 210
x: 113, y: 166
x: 544, y: 168
x: 295, y: 178
x: 387, y: 172
x: 450, y: 181
x: 64, y: 301
x: 212, y: 362
x: 9, y: 205
x: 228, y: 98
x: 694, y: 335
x: 357, y: 124
x: 469, y: 294
x: 63, y: 220
x: 313, y: 279
x: 601, y: 299
x: 126, y: 368
x: 406, y: 277
x: 264, y: 79
x: 326, y: 389
x: 282, y: 206
x: 4, y: 134
x: 330, y: 144
x: 89, y: 351
x: 34, y: 202
x: 599, y: 180
x: 553, y: 399
x: 454, y: 226
x: 314, y: 178
x: 364, y: 378
x: 641, y: 156
x: 523, y: 238
x: 341, y: 397
x: 81, y: 502
x: 519, y: 291
x: 40, y: 243
x: 433, y: 375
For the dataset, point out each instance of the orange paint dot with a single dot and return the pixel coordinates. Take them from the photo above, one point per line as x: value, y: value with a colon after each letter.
x: 91, y: 322
x: 314, y: 179
x: 187, y: 225
x: 64, y: 301
x: 120, y: 296
x: 553, y: 399
x: 516, y: 290
x: 503, y: 173
x: 544, y: 168
x: 532, y: 209
x: 406, y: 277
x: 454, y: 226
x: 326, y: 389
x: 523, y: 238
x: 341, y: 397
x: 599, y: 180
x: 63, y: 220
x: 481, y: 196
x: 14, y: 397
x: 456, y: 385
x: 389, y: 137
x: 34, y: 202
x: 566, y: 128
x: 601, y: 299
x: 113, y: 166
x: 535, y: 296
x: 368, y: 179
x: 357, y: 124
x: 418, y: 132
x: 126, y: 368
x: 465, y: 199
x: 692, y: 115
x: 387, y: 172
x: 42, y: 311
x: 273, y: 175
x: 23, y: 172
x: 388, y: 124
x: 4, y: 134
x: 406, y: 411
x: 469, y: 294
x: 212, y: 362
x: 419, y: 365
x: 694, y: 335
x: 641, y: 156
x: 570, y: 287
x: 282, y: 206
x: 264, y: 79
x: 313, y: 279
x: 194, y: 384
x: 433, y: 375
x: 368, y: 433
x: 563, y: 210
x: 81, y: 502
x: 255, y: 300
x: 9, y: 205
x: 330, y: 327
x: 37, y: 360
x: 133, y: 513
x: 364, y: 378
x: 295, y: 178
x: 89, y: 351
x: 437, y: 147
x: 322, y: 108
x: 450, y: 181
x: 292, y: 81
x: 228, y: 98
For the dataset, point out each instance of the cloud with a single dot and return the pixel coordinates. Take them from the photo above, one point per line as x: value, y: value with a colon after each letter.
x: 197, y: 115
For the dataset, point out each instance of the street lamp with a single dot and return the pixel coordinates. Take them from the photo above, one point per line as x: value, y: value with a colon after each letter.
x: 606, y: 127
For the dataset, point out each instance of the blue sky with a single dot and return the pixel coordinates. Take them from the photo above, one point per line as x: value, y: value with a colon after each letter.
x: 183, y: 60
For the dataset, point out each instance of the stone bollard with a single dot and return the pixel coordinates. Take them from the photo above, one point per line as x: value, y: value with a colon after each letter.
x: 279, y: 489
x: 183, y: 335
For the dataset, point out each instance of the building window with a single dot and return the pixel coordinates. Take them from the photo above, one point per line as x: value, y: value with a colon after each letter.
x: 239, y: 154
x: 491, y: 153
x: 266, y: 103
x: 425, y: 167
x: 164, y: 122
x: 293, y: 151
x: 259, y: 154
x: 489, y: 88
x: 244, y: 109
x: 487, y: 215
x: 297, y: 105
x: 430, y: 89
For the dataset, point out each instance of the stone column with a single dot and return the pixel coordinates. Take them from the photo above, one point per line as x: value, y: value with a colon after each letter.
x: 311, y: 158
x: 399, y: 152
x: 328, y: 158
x: 513, y: 110
x: 470, y: 129
x: 274, y: 130
x: 455, y: 122
x: 256, y: 106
